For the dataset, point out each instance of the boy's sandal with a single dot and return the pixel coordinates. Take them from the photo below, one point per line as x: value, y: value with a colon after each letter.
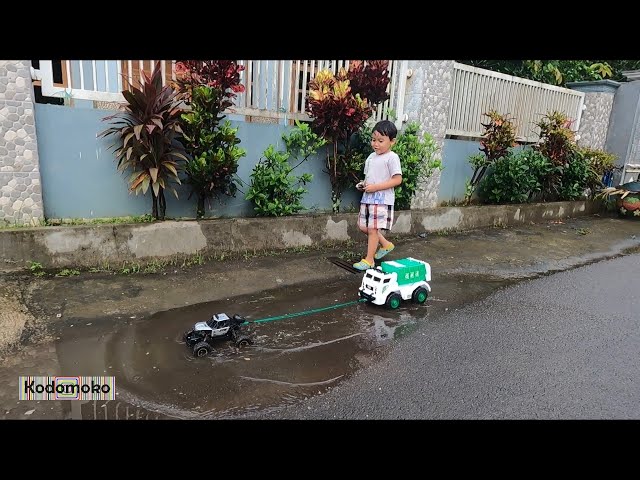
x: 362, y: 265
x: 383, y: 251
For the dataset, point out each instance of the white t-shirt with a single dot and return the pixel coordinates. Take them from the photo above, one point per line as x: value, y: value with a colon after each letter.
x: 378, y: 169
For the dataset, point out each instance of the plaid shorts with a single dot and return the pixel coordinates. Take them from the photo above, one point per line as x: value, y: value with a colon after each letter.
x: 375, y: 216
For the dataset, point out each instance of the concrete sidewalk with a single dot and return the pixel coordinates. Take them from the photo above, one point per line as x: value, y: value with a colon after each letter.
x: 498, y: 253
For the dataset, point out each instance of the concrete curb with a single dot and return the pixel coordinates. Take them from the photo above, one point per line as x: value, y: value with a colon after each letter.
x: 93, y: 245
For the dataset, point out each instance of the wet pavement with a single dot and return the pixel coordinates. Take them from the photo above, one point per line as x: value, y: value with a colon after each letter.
x: 131, y: 327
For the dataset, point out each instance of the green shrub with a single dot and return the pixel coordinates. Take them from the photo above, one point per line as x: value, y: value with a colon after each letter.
x: 515, y: 177
x: 577, y: 176
x: 274, y: 191
x: 418, y: 159
x: 497, y: 140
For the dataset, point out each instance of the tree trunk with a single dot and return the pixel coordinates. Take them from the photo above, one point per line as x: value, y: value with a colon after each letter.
x: 154, y: 208
x: 200, y: 208
x: 335, y: 200
x: 162, y: 203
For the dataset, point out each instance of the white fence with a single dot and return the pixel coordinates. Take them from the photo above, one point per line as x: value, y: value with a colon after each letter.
x: 476, y: 91
x: 273, y: 88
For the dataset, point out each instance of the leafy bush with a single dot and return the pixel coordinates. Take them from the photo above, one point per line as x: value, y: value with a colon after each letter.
x: 209, y: 87
x: 498, y: 138
x: 274, y: 191
x: 557, y: 140
x: 602, y: 162
x: 578, y: 175
x: 417, y: 157
x: 222, y: 75
x: 603, y: 165
x: 515, y: 177
x: 370, y: 79
x: 212, y: 172
x: 557, y: 143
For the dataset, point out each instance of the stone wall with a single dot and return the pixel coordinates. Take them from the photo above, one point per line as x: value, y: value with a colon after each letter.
x: 598, y: 102
x: 427, y: 102
x: 20, y: 188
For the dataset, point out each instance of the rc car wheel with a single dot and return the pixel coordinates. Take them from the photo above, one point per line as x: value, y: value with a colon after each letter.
x: 420, y: 295
x: 243, y: 341
x: 202, y: 349
x: 394, y: 300
x: 185, y: 337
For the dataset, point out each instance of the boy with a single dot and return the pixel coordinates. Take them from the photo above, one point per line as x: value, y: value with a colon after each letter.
x: 382, y: 173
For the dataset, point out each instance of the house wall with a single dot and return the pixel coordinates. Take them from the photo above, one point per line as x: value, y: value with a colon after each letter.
x: 20, y: 191
x: 623, y: 134
x: 80, y: 179
x: 456, y: 169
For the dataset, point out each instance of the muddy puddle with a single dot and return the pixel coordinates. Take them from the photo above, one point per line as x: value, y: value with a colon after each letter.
x: 157, y: 376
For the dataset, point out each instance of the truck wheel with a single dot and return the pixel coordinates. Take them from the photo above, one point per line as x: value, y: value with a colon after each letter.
x: 202, y: 349
x: 243, y: 341
x: 394, y: 300
x: 420, y: 295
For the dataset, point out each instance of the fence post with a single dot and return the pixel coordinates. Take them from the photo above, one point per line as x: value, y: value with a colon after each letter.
x: 20, y: 187
x: 426, y: 101
x: 592, y: 125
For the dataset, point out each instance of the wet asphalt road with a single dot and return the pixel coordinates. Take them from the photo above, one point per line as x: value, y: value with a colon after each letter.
x: 565, y: 346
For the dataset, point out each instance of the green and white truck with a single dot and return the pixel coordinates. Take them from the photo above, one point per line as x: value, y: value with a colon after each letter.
x: 396, y: 280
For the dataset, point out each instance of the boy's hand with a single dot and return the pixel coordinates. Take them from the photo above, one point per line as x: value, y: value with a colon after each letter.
x: 372, y: 187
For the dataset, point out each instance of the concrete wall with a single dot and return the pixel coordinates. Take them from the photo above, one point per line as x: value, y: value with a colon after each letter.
x: 456, y: 169
x: 86, y: 246
x: 80, y: 179
x: 20, y: 191
x: 623, y: 134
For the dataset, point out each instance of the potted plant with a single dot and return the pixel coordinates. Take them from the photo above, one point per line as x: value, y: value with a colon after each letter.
x: 627, y: 198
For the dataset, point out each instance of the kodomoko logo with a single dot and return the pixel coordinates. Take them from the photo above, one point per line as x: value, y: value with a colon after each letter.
x: 66, y: 388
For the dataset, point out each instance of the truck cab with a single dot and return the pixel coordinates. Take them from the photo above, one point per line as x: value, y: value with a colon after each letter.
x: 396, y: 280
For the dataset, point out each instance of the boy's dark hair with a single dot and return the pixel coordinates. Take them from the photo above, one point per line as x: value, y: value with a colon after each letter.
x: 386, y: 128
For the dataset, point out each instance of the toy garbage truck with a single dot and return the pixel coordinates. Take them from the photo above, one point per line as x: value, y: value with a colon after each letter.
x: 396, y: 280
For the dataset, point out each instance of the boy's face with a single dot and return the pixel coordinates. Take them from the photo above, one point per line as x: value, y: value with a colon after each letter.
x: 381, y: 143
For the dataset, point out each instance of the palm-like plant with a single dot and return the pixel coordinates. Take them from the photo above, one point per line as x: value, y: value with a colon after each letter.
x: 148, y: 139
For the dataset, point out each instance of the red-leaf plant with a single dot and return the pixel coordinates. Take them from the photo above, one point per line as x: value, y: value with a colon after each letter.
x: 209, y: 87
x: 147, y: 137
x: 339, y: 110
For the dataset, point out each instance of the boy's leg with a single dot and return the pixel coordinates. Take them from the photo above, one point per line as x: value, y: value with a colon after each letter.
x: 372, y: 245
x: 384, y: 243
x: 387, y: 222
x: 362, y: 218
x: 366, y: 219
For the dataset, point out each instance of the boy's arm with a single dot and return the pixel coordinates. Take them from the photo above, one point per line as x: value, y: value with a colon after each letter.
x: 391, y: 183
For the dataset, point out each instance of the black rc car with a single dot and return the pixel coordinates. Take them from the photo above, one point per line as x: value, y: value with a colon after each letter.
x: 218, y: 327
